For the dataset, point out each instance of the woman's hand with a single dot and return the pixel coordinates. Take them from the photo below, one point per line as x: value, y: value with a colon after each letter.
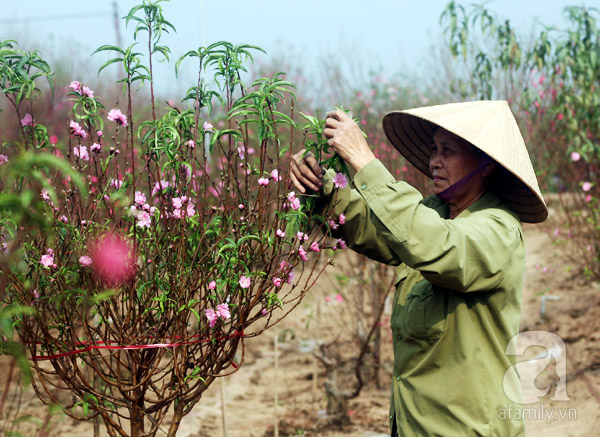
x: 306, y: 172
x: 346, y: 138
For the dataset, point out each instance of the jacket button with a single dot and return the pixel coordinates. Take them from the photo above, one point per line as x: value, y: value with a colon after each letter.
x: 363, y: 187
x: 397, y: 378
x: 399, y: 337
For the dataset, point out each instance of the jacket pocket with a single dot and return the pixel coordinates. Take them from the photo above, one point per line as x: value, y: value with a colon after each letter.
x: 425, y: 311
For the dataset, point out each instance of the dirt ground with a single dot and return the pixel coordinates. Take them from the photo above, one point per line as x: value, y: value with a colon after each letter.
x: 572, y: 313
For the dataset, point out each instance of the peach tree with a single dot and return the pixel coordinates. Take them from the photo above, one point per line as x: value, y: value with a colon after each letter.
x: 139, y: 254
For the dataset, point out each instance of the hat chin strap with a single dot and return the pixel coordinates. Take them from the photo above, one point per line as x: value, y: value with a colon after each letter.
x: 452, y: 191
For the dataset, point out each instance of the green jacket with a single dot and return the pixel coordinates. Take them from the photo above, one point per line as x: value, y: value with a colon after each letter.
x: 457, y: 302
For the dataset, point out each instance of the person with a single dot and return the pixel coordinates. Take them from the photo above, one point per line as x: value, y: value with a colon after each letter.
x: 460, y: 255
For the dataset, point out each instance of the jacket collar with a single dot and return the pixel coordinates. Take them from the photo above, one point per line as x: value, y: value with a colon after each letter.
x: 488, y: 200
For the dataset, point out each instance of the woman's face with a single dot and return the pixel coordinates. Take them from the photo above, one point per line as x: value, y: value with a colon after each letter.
x: 451, y: 159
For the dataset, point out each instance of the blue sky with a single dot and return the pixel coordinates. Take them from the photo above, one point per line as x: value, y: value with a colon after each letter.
x: 394, y: 34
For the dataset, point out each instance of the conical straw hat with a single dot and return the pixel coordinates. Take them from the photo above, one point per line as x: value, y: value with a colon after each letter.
x: 489, y: 126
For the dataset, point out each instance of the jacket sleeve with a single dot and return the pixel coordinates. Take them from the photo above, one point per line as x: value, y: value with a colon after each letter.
x: 387, y: 221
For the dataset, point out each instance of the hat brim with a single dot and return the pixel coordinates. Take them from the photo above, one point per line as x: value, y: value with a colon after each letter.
x: 412, y: 136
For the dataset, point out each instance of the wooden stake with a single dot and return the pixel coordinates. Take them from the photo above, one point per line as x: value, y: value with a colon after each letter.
x: 275, y: 397
x: 96, y: 418
x: 223, y: 407
x: 315, y: 394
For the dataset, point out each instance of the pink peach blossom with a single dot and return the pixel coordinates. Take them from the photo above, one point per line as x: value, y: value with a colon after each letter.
x: 81, y: 152
x: 47, y: 260
x: 144, y: 219
x: 340, y: 180
x: 75, y: 85
x: 244, y: 281
x: 302, y: 254
x: 27, y: 120
x: 292, y: 201
x: 140, y: 198
x: 77, y: 130
x: 85, y: 260
x: 223, y: 311
x: 117, y: 116
x: 212, y: 317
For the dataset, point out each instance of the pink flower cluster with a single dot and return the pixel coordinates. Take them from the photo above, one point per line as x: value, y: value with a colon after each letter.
x: 340, y: 180
x: 178, y: 204
x: 284, y: 266
x: 143, y: 215
x: 222, y: 313
x: 274, y: 175
x: 27, y: 120
x: 244, y: 281
x: 81, y: 152
x: 242, y: 150
x: 81, y: 90
x: 160, y: 186
x: 292, y: 201
x: 302, y: 254
x: 340, y: 243
x: 77, y: 130
x: 47, y: 260
x: 117, y: 116
x: 341, y: 221
x: 3, y: 159
x: 301, y: 236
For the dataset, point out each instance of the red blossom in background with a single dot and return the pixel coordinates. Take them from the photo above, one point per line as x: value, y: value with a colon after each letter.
x: 113, y: 261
